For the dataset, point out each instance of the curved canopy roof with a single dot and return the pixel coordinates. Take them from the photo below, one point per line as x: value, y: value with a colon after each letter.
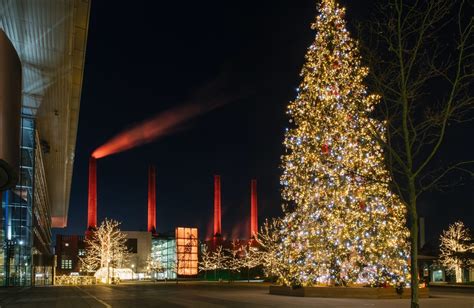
x: 50, y: 38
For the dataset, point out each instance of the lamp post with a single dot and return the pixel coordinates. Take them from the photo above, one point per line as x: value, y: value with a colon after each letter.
x: 10, y: 247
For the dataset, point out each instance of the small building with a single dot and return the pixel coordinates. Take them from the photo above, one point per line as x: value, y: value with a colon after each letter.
x: 139, y: 247
x: 430, y: 268
x: 177, y: 253
x: 68, y: 250
x: 187, y: 251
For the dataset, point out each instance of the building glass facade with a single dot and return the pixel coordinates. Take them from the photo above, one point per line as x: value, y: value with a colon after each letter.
x: 17, y: 208
x: 187, y: 251
x: 26, y: 257
x: 163, y: 250
x: 43, y: 259
x: 42, y: 56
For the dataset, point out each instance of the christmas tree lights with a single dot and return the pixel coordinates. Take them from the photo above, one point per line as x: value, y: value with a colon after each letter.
x: 342, y: 223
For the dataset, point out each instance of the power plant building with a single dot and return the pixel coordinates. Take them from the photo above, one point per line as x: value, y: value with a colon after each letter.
x: 161, y: 256
x: 177, y: 253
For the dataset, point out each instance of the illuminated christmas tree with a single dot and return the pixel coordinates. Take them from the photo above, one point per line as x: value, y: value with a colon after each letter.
x: 342, y: 223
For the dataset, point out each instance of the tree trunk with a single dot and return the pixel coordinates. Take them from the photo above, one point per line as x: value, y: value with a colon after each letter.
x: 458, y: 272
x: 248, y: 274
x: 108, y: 273
x: 413, y: 216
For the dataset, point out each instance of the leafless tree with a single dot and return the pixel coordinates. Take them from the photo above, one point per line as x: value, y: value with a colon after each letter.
x: 178, y: 265
x: 423, y: 76
x: 174, y: 267
x: 251, y: 258
x: 219, y: 260
x: 205, y: 264
x: 456, y: 242
x: 233, y: 262
x: 105, y: 248
x: 154, y: 266
x: 269, y: 240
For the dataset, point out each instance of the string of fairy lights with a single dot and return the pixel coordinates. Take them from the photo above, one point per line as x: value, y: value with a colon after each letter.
x: 342, y: 224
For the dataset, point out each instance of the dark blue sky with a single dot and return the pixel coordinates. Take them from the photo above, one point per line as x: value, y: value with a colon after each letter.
x: 144, y: 57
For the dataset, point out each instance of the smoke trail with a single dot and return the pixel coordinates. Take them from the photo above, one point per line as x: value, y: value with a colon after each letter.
x: 168, y: 121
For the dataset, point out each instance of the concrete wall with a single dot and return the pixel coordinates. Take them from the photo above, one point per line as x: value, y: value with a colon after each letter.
x: 143, y: 250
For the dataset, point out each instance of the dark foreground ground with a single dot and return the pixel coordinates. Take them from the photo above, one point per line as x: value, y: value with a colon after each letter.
x: 202, y: 294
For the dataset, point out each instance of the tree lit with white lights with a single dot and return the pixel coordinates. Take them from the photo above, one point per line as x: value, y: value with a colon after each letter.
x: 342, y: 223
x: 456, y: 243
x: 269, y: 246
x: 105, y: 249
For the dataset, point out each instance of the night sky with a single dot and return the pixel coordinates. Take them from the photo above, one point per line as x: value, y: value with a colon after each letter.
x: 144, y: 57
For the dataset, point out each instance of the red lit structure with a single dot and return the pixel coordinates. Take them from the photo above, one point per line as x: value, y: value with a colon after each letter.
x: 217, y: 206
x: 152, y: 199
x: 253, y: 209
x: 92, y: 197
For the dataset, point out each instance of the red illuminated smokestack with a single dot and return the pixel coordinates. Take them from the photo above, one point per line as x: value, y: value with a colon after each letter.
x: 253, y: 209
x: 217, y: 205
x: 92, y: 200
x: 152, y: 199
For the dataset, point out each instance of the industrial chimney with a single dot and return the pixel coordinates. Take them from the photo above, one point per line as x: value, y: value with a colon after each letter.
x: 253, y: 209
x: 92, y: 198
x: 217, y: 206
x: 152, y: 199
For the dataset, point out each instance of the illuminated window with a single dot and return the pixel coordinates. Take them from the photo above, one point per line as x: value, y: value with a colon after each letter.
x: 164, y: 251
x: 132, y: 245
x: 187, y: 251
x: 438, y: 276
x: 66, y: 264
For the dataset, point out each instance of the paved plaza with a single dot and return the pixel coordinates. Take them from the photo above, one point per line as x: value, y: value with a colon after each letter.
x: 201, y: 294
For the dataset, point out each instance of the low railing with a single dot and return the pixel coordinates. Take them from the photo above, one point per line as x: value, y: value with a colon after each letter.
x: 74, y: 280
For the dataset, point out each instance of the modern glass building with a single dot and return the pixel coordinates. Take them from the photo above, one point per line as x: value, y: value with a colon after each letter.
x: 42, y: 51
x: 187, y: 251
x: 177, y: 253
x: 163, y: 250
x: 17, y: 209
